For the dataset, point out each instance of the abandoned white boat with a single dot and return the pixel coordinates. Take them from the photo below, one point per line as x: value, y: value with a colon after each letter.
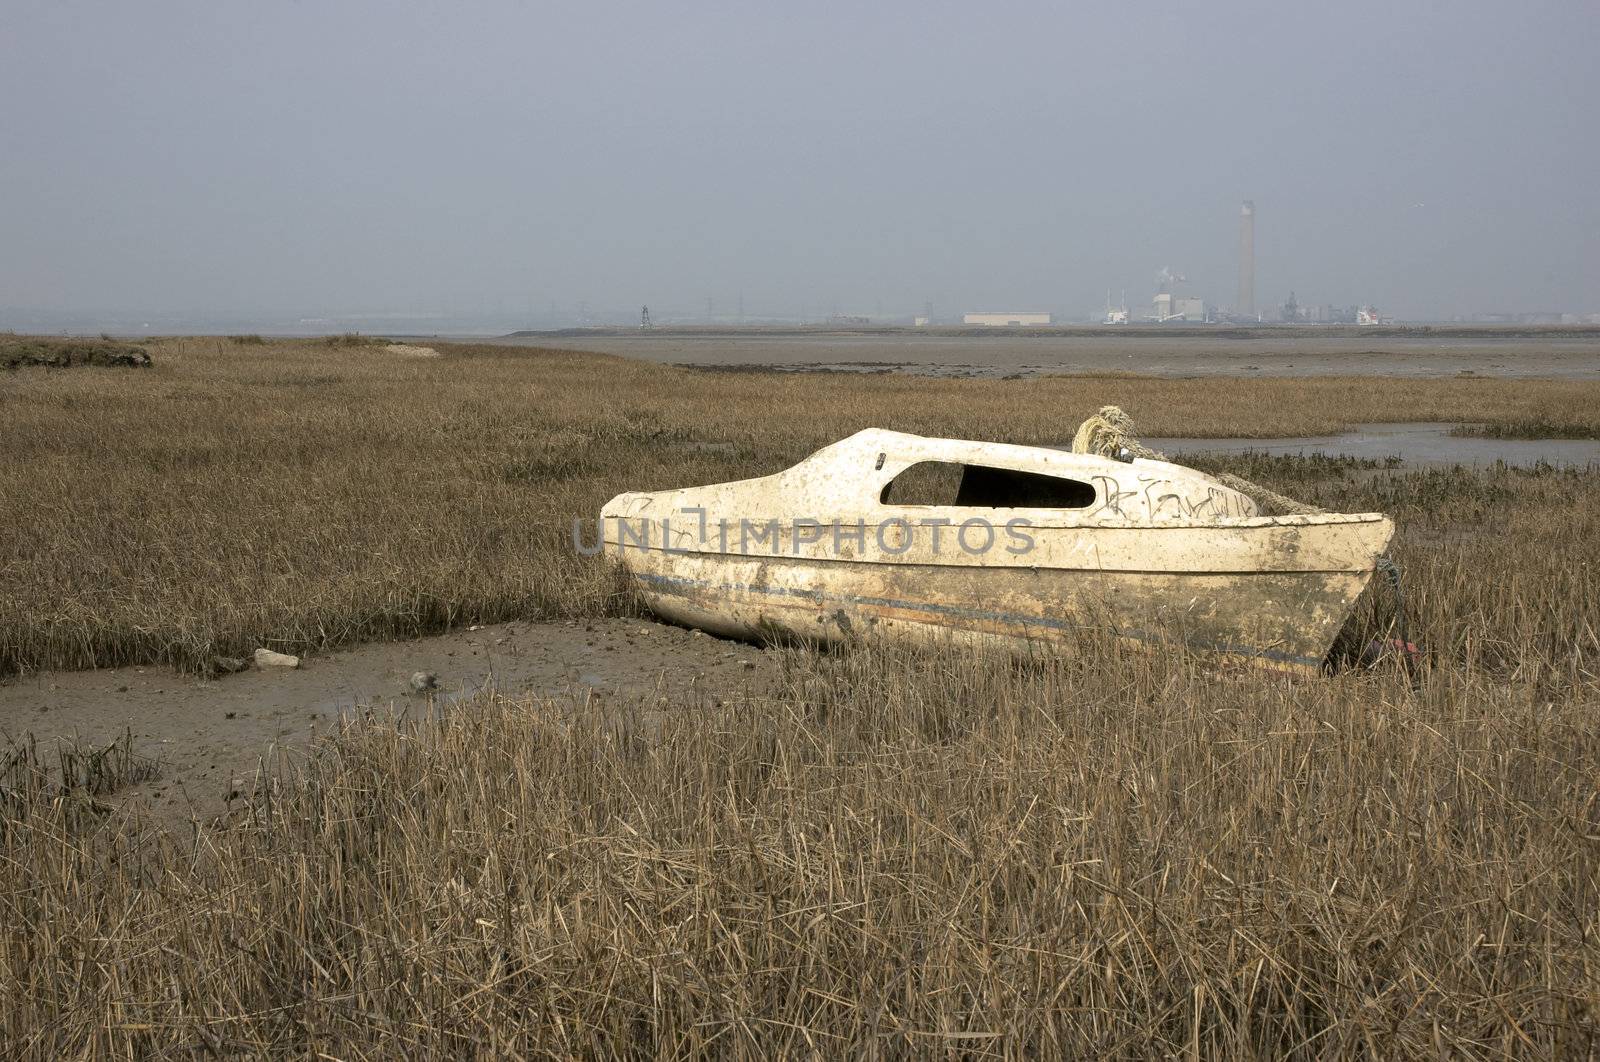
x: 1018, y: 544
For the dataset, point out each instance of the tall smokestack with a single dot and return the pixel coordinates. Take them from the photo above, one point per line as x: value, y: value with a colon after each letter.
x: 1247, y: 259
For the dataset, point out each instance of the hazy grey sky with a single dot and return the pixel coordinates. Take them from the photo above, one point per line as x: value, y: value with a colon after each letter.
x: 285, y: 157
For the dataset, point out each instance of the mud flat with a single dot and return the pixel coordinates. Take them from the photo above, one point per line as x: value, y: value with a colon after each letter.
x: 209, y: 739
x: 1564, y: 353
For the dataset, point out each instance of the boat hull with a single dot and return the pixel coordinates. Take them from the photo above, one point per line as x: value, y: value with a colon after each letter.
x: 1284, y: 618
x: 1034, y: 546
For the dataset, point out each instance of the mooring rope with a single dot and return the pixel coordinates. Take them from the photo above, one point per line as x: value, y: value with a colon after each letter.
x: 1110, y: 432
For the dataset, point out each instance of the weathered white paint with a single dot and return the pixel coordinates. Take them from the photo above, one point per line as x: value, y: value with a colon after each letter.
x: 1161, y: 551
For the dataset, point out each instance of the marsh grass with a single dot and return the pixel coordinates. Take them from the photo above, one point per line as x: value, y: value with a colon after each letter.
x: 1116, y: 855
x: 24, y: 352
x: 1539, y: 426
x: 350, y: 339
x: 889, y: 852
x: 240, y: 495
x: 71, y: 775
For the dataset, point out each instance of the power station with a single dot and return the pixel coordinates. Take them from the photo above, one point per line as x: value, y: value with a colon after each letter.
x: 1177, y: 304
x: 1246, y: 304
x: 1171, y: 305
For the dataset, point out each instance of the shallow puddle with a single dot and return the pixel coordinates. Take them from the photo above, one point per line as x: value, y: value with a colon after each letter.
x: 1415, y: 443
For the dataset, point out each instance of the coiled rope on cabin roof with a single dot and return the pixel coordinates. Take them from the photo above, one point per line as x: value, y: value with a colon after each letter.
x: 1110, y: 431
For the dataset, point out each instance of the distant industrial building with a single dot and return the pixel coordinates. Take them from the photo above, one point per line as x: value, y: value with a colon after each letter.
x: 1295, y: 312
x: 1001, y: 320
x: 1190, y: 309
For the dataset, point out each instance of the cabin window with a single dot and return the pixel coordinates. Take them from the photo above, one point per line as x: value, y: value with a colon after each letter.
x: 981, y: 486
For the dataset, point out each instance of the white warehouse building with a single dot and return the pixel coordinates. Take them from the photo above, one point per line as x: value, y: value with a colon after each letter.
x: 1003, y: 319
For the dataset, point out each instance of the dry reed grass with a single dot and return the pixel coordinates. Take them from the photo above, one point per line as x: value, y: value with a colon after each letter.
x: 1114, y: 854
x: 903, y: 853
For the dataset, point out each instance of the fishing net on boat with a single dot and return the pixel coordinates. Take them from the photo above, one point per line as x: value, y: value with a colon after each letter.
x: 1110, y: 431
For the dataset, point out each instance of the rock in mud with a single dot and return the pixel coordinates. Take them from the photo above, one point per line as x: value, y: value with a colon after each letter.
x: 266, y: 658
x: 423, y: 681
